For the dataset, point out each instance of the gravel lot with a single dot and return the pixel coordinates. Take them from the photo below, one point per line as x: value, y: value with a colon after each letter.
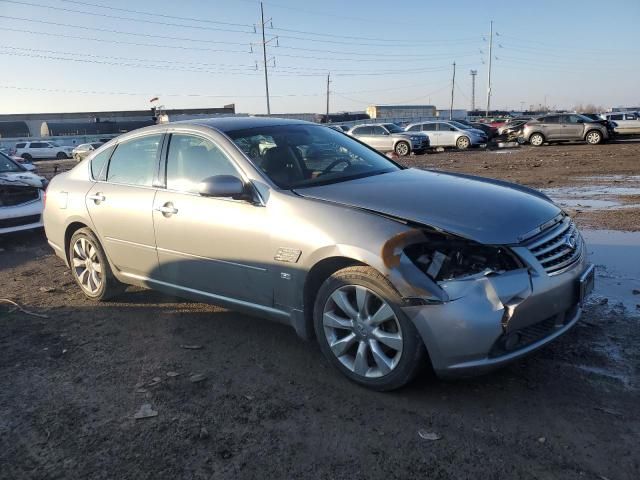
x: 241, y: 397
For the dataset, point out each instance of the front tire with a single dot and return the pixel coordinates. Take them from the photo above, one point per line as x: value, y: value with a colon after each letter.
x: 537, y: 139
x: 364, y: 333
x: 402, y: 149
x: 463, y: 143
x: 593, y: 137
x: 90, y: 267
x: 27, y: 157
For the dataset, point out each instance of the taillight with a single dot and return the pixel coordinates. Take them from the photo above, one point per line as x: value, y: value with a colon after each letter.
x: 44, y: 198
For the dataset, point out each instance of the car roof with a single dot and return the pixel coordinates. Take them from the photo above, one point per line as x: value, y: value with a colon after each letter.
x: 228, y: 124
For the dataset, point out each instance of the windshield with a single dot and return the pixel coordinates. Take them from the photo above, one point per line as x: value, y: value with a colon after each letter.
x: 393, y: 128
x: 8, y: 165
x: 307, y: 155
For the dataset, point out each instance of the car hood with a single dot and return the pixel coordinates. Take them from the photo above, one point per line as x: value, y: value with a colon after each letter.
x: 22, y: 178
x: 484, y: 210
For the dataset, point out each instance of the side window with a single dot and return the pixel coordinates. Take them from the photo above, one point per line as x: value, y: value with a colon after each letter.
x: 615, y: 117
x: 20, y: 145
x: 573, y: 119
x: 429, y: 127
x: 38, y: 145
x: 414, y: 128
x: 362, y: 131
x: 551, y: 119
x: 630, y: 116
x: 134, y: 161
x: 377, y: 130
x: 192, y: 159
x: 98, y: 172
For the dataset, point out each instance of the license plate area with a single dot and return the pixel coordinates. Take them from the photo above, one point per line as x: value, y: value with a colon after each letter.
x: 586, y: 283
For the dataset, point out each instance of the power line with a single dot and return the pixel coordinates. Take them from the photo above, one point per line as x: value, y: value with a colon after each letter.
x: 94, y: 92
x: 118, y: 17
x: 141, y: 12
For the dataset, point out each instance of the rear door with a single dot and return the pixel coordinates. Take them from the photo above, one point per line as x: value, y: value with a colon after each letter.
x: 121, y: 206
x: 551, y: 127
x: 431, y: 130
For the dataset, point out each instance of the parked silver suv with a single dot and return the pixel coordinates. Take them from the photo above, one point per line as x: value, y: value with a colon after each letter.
x: 563, y: 128
x: 389, y: 137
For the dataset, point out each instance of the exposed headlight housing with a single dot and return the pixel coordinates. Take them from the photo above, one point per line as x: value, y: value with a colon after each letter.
x: 443, y: 257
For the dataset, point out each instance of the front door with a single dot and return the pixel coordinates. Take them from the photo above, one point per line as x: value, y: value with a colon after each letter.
x: 380, y: 139
x: 572, y: 127
x: 446, y: 135
x: 209, y: 245
x: 121, y: 206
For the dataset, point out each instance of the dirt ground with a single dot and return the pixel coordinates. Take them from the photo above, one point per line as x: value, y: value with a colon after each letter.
x: 267, y: 405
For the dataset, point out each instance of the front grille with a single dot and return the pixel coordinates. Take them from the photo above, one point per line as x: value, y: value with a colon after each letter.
x: 558, y: 247
x: 19, y: 221
x: 12, y: 195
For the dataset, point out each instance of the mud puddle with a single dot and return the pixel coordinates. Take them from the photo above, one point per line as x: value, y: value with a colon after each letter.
x: 599, y: 197
x: 616, y: 255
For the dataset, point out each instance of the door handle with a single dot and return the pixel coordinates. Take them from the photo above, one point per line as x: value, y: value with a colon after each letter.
x: 167, y: 209
x: 98, y: 197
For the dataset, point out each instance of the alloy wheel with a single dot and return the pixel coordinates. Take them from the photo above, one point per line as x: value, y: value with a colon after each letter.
x: 536, y: 140
x: 593, y: 138
x: 463, y: 143
x: 362, y: 331
x: 402, y: 149
x: 86, y: 265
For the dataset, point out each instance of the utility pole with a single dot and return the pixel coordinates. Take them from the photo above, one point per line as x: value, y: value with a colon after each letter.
x: 453, y: 85
x: 489, y: 74
x: 264, y: 55
x: 473, y: 90
x: 328, y: 82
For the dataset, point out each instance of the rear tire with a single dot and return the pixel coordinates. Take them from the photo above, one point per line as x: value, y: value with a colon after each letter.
x: 537, y: 139
x: 402, y: 149
x: 90, y: 267
x: 372, y: 342
x: 26, y: 156
x: 61, y: 156
x: 593, y: 137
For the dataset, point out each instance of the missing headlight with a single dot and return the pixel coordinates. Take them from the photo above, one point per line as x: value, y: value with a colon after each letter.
x: 445, y: 258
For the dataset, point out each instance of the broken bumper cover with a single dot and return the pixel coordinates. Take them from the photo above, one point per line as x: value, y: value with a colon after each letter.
x: 490, y: 321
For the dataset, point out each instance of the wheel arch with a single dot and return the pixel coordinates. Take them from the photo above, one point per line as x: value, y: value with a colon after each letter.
x: 316, y: 276
x: 72, y: 228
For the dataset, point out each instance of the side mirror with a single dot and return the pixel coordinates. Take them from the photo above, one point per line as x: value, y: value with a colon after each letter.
x: 224, y: 186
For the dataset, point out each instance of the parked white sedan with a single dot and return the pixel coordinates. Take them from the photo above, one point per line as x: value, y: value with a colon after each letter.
x: 21, y: 197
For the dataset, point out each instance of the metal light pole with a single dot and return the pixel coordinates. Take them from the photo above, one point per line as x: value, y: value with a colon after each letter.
x: 453, y: 85
x: 264, y: 54
x: 473, y: 90
x: 489, y: 71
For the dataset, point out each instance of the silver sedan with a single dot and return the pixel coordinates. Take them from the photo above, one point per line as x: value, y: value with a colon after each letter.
x: 390, y: 269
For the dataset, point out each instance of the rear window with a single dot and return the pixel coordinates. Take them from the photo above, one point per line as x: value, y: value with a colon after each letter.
x: 20, y: 145
x: 98, y: 172
x: 134, y: 161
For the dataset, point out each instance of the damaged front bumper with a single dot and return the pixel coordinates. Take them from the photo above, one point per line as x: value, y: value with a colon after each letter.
x: 486, y: 320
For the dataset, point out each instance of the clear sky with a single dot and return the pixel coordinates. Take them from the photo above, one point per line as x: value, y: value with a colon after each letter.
x: 195, y: 53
